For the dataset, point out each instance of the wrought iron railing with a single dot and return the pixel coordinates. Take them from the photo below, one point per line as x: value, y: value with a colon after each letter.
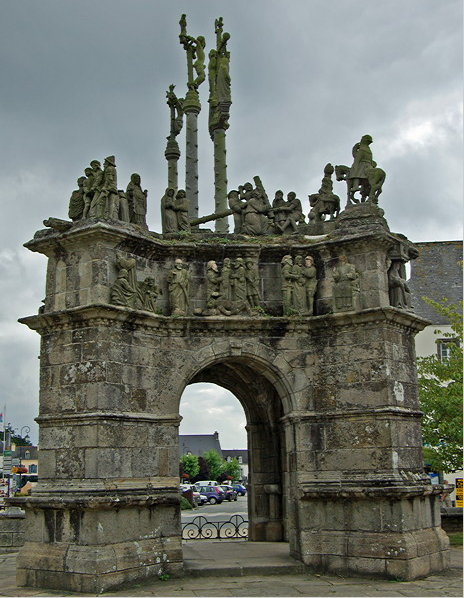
x: 202, y: 529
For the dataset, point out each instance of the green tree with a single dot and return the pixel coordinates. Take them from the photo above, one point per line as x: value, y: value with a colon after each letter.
x: 214, y: 461
x: 231, y: 468
x: 440, y: 394
x: 190, y: 465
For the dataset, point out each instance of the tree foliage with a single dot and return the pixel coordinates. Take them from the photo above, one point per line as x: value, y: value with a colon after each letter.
x: 190, y: 465
x: 231, y: 468
x: 440, y: 394
x: 214, y: 461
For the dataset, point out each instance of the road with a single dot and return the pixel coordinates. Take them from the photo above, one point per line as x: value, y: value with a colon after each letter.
x: 217, y: 512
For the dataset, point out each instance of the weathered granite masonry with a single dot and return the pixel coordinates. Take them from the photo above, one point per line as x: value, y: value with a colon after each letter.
x: 331, y: 405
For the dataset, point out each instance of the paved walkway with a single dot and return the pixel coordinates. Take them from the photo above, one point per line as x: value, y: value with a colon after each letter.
x: 238, y: 568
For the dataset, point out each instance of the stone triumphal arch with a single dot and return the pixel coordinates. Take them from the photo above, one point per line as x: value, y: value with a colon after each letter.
x: 309, y: 324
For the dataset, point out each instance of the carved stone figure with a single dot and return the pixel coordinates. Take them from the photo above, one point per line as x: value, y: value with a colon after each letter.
x: 252, y: 283
x: 280, y: 213
x: 309, y: 274
x: 298, y: 298
x: 122, y: 292
x: 346, y: 286
x: 110, y: 189
x: 239, y: 287
x: 287, y: 284
x: 296, y: 215
x: 213, y: 283
x: 181, y: 208
x: 168, y: 213
x: 195, y: 48
x: 76, y: 202
x: 226, y: 287
x: 255, y: 220
x: 363, y: 177
x: 87, y: 188
x: 147, y: 294
x: 123, y: 207
x: 324, y: 202
x: 398, y: 289
x: 177, y: 113
x: 237, y: 205
x: 219, y: 81
x: 95, y: 190
x: 178, y: 287
x: 137, y: 200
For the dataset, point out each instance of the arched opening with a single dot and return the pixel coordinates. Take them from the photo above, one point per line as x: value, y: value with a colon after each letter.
x: 263, y: 410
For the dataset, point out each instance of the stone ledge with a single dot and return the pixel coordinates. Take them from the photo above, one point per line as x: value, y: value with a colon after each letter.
x: 334, y: 491
x: 205, y: 325
x: 100, y: 499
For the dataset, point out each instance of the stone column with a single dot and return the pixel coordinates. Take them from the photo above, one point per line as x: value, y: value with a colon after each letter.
x: 172, y: 154
x: 220, y: 179
x: 192, y: 109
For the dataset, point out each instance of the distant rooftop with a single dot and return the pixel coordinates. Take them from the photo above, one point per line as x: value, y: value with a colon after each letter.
x: 435, y: 274
x: 198, y: 444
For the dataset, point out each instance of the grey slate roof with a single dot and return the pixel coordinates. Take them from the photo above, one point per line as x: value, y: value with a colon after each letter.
x: 236, y: 453
x: 198, y: 444
x: 436, y: 273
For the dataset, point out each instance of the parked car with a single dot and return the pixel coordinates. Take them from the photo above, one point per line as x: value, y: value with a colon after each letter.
x: 198, y: 500
x: 239, y: 489
x: 230, y: 493
x: 213, y: 493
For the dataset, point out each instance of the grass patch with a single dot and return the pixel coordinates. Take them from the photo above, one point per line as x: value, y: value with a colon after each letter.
x: 455, y: 539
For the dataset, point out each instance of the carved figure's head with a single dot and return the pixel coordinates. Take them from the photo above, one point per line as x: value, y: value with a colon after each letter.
x: 309, y: 261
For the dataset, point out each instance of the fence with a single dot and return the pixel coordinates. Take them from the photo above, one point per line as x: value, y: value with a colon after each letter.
x: 202, y: 529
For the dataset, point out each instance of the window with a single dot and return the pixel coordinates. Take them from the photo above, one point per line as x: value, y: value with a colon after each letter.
x: 27, y: 455
x: 443, y: 346
x: 240, y: 460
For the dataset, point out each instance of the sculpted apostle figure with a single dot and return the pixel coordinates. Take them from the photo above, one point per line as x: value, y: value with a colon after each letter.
x: 137, y: 200
x: 122, y: 292
x: 252, y: 283
x: 96, y: 210
x: 76, y: 202
x: 213, y: 283
x: 87, y: 188
x: 346, y: 287
x: 287, y: 283
x: 178, y: 288
x: 226, y: 288
x: 309, y: 273
x: 398, y: 289
x: 298, y: 287
x: 237, y: 205
x: 181, y: 209
x: 168, y: 213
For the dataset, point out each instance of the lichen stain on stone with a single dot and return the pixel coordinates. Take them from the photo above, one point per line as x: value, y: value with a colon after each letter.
x: 398, y: 391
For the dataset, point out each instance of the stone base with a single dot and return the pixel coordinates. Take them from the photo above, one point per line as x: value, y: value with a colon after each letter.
x: 404, y: 556
x: 95, y: 569
x: 386, y: 532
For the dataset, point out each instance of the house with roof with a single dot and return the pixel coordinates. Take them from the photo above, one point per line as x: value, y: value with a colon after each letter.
x: 436, y: 274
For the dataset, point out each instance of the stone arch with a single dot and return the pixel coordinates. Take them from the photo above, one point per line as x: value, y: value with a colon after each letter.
x: 265, y: 395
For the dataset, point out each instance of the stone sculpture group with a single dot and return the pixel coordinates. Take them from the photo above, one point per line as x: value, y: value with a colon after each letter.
x: 235, y: 289
x: 98, y: 196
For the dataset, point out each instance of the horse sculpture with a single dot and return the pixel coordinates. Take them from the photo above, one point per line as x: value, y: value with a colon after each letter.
x: 369, y: 188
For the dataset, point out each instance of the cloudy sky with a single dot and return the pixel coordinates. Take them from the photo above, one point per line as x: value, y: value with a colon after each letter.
x: 84, y: 80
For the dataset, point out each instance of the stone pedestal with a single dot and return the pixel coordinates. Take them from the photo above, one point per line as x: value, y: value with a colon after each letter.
x: 331, y: 405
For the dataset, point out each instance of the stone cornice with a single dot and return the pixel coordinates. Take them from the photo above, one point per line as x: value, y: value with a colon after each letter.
x: 95, y: 417
x: 106, y: 314
x: 337, y: 491
x: 100, y: 499
x: 354, y: 413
